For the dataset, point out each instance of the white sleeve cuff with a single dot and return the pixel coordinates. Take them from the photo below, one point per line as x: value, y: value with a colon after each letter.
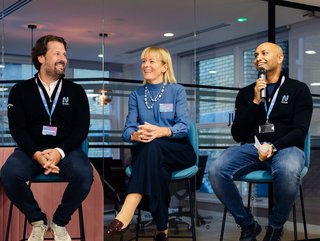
x: 61, y: 152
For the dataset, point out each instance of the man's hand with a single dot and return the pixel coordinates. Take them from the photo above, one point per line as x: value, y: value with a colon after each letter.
x: 265, y: 152
x: 53, y: 156
x: 260, y: 84
x: 40, y: 158
x: 48, y: 159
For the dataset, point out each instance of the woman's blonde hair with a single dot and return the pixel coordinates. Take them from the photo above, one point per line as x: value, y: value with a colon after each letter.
x: 164, y: 56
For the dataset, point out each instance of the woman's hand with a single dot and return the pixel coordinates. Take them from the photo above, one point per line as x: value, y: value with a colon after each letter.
x: 147, y: 133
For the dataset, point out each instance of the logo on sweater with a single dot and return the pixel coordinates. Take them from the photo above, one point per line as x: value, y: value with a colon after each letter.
x: 65, y: 100
x: 285, y: 99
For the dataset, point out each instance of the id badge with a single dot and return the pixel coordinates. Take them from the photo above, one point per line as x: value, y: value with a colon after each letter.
x: 166, y: 107
x: 49, y: 130
x: 266, y: 128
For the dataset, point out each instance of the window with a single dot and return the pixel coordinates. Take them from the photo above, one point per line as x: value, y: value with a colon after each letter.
x: 89, y: 73
x: 18, y: 71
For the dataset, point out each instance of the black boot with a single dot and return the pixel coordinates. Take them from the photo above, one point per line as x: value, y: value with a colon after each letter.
x: 161, y: 237
x: 273, y: 234
x: 250, y: 232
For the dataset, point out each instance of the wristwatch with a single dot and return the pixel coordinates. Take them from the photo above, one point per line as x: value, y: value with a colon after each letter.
x: 274, y: 149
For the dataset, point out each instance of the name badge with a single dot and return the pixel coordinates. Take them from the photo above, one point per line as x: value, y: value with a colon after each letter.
x: 166, y: 107
x: 266, y: 128
x: 49, y: 130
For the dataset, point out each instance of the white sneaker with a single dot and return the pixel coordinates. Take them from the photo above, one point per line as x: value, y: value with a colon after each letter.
x: 60, y: 233
x: 39, y: 230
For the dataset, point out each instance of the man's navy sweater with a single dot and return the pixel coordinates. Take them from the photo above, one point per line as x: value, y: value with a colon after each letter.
x: 291, y: 115
x: 27, y: 116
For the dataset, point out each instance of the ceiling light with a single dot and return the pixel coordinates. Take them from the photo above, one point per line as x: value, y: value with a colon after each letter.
x: 168, y: 34
x: 212, y: 72
x: 310, y: 52
x: 2, y: 66
x: 100, y: 55
x: 242, y: 20
x: 315, y: 84
x: 3, y: 89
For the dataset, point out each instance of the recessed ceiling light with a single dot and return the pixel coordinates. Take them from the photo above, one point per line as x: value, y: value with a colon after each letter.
x: 168, y: 34
x: 310, y: 52
x: 315, y: 84
x: 100, y: 55
x: 242, y: 20
x: 3, y: 89
x: 212, y: 71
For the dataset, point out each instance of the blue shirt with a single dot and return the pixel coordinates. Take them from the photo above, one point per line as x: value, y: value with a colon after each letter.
x: 171, y: 110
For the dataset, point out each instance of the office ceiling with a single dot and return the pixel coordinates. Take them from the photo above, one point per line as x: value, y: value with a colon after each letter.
x: 134, y: 24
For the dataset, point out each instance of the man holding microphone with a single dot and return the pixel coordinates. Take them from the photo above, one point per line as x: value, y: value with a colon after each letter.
x: 276, y: 111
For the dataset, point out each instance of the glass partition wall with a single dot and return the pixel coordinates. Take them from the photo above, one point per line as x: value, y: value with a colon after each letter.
x: 211, y: 72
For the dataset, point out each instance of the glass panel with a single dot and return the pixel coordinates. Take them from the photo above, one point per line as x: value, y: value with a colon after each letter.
x: 18, y: 71
x: 89, y: 73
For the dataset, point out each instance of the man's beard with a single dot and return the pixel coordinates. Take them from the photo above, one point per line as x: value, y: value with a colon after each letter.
x: 55, y: 72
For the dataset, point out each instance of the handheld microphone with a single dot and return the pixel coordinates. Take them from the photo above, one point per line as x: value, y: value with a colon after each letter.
x: 262, y: 75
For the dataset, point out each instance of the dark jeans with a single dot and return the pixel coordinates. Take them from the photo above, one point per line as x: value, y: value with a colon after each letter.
x: 20, y: 168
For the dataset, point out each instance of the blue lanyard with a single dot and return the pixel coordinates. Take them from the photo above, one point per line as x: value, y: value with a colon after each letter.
x: 273, y: 101
x: 44, y: 101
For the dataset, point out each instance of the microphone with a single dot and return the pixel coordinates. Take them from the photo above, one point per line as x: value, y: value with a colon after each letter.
x: 262, y: 75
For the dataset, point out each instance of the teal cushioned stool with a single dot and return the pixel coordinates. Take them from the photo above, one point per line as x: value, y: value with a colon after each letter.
x: 51, y: 178
x: 263, y: 176
x: 185, y: 175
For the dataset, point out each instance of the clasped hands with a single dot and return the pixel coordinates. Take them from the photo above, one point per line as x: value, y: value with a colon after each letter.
x: 48, y: 159
x: 148, y: 132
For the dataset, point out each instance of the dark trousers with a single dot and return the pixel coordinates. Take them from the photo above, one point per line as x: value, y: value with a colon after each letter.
x: 20, y: 168
x: 152, y: 165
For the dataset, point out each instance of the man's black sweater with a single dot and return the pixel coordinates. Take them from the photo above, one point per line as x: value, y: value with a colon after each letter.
x: 27, y: 116
x: 291, y: 115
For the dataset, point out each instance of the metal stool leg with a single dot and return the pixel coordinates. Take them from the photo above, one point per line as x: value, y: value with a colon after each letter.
x: 9, y: 221
x: 249, y: 196
x: 138, y: 225
x: 193, y: 227
x: 294, y: 217
x: 81, y: 224
x: 223, y: 223
x: 24, y: 237
x: 303, y: 214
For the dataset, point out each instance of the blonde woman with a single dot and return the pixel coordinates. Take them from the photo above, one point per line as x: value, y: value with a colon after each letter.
x: 157, y: 122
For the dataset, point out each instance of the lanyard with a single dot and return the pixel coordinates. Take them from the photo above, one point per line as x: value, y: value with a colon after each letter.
x: 44, y: 101
x: 273, y: 101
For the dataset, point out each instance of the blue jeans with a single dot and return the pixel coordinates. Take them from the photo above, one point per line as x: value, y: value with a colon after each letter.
x: 285, y: 166
x: 20, y: 168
